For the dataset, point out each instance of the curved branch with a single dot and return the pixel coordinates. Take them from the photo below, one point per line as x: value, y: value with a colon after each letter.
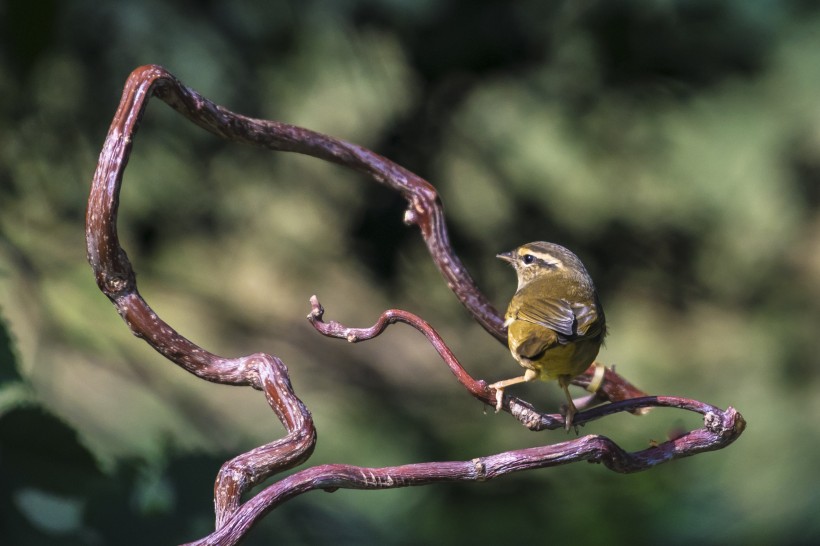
x: 477, y: 388
x: 720, y: 430
x: 612, y: 387
x: 423, y: 209
x: 247, y: 470
x: 117, y: 280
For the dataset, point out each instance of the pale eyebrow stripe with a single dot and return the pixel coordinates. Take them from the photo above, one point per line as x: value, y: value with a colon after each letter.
x: 549, y: 258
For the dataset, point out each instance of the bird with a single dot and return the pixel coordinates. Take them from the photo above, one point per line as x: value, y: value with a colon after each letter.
x: 555, y: 321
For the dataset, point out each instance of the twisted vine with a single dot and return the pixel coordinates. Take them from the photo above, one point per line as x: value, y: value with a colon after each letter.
x: 234, y: 518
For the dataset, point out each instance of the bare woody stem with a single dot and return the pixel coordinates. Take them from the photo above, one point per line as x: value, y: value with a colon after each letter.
x: 423, y: 209
x: 117, y: 280
x: 521, y: 410
x: 721, y: 429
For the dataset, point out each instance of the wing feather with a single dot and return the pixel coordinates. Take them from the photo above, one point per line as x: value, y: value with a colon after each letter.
x: 570, y: 321
x: 554, y: 314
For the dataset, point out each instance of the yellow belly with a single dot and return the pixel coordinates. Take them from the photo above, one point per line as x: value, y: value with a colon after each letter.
x: 554, y: 359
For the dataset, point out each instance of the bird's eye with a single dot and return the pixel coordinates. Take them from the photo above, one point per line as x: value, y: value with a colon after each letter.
x: 528, y: 259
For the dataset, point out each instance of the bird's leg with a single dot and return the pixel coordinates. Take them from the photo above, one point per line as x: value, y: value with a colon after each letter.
x: 564, y: 380
x: 499, y: 386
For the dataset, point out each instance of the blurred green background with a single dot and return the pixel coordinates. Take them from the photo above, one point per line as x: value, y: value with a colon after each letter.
x: 674, y: 145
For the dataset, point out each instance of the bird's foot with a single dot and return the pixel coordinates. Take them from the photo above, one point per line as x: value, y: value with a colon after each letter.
x: 569, y: 416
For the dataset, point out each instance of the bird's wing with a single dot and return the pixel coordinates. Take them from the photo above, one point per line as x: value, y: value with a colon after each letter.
x: 589, y: 320
x: 555, y: 314
x: 569, y: 320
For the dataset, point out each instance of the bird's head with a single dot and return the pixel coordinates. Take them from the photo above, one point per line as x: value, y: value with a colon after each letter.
x: 541, y: 260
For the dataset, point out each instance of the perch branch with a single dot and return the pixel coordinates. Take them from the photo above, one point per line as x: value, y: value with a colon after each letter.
x: 519, y: 409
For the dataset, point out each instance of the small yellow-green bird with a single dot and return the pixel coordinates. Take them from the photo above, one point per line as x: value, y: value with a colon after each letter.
x: 555, y: 322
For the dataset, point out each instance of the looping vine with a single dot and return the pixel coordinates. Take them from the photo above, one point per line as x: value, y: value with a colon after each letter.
x: 234, y: 518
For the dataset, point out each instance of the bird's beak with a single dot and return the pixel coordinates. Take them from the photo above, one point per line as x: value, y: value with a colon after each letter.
x: 506, y: 256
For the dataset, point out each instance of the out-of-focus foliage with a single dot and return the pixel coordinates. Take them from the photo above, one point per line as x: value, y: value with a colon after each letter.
x: 673, y: 144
